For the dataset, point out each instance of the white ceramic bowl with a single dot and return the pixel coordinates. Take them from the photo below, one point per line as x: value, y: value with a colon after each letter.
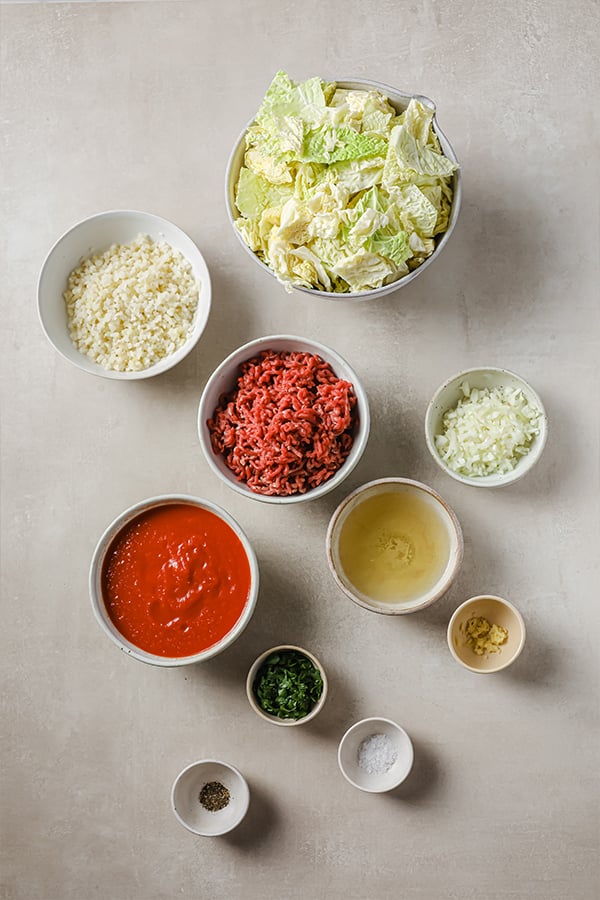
x: 185, y: 798
x: 97, y: 565
x: 224, y: 379
x: 275, y: 720
x: 446, y: 517
x: 498, y: 612
x: 94, y: 235
x: 359, y: 777
x: 399, y: 101
x: 447, y: 396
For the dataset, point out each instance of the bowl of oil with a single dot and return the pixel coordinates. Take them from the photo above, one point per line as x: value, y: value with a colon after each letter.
x: 394, y: 546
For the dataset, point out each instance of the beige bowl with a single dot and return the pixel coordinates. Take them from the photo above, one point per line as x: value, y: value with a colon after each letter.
x: 498, y: 612
x: 446, y: 518
x: 275, y: 720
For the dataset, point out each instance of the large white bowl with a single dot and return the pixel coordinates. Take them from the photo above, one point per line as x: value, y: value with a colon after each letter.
x: 447, y: 396
x: 94, y: 235
x: 446, y: 516
x: 224, y: 379
x: 399, y: 100
x: 97, y: 565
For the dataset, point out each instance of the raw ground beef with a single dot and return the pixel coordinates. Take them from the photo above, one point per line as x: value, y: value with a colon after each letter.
x: 287, y: 427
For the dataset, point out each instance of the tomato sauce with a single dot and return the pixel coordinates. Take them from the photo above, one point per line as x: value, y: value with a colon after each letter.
x: 176, y: 580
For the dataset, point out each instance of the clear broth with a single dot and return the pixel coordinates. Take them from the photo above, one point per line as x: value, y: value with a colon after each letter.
x: 394, y: 547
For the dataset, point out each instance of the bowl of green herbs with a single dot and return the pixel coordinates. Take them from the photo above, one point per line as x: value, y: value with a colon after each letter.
x: 286, y: 685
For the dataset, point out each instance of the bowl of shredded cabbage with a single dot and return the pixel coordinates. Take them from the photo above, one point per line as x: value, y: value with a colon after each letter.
x: 486, y: 427
x: 345, y: 189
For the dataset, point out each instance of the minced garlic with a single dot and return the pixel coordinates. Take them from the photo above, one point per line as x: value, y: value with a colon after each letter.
x: 483, y: 636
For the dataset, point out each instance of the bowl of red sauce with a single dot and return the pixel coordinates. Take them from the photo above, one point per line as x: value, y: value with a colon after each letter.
x: 173, y: 580
x: 283, y: 419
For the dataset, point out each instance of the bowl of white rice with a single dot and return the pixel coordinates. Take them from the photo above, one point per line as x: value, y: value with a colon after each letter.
x: 124, y: 295
x: 486, y: 427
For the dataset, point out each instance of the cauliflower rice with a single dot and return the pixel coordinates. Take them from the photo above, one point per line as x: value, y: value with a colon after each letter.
x: 132, y: 305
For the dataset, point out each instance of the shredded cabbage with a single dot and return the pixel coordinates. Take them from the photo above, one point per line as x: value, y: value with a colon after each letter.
x: 338, y: 192
x: 488, y: 431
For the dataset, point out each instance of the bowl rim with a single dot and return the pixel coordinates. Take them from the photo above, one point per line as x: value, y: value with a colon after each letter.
x: 359, y: 443
x: 459, y: 609
x: 244, y: 806
x: 374, y: 293
x: 167, y: 362
x: 354, y: 727
x: 253, y: 671
x: 488, y: 481
x: 103, y: 545
x: 448, y: 581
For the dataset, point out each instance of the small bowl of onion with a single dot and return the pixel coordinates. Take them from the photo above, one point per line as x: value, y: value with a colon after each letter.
x: 486, y: 427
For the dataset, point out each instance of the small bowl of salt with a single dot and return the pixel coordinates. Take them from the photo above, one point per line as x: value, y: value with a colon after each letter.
x: 375, y: 755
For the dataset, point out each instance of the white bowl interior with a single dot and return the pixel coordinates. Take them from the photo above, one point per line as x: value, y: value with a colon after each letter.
x: 275, y: 720
x: 186, y: 803
x: 348, y: 755
x: 95, y: 582
x: 498, y: 612
x: 447, y: 397
x: 224, y: 379
x: 399, y: 101
x: 446, y: 517
x: 94, y: 235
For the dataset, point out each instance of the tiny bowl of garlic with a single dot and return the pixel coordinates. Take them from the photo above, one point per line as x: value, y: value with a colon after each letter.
x: 124, y: 295
x: 375, y: 755
x: 210, y: 797
x: 486, y: 634
x: 486, y: 427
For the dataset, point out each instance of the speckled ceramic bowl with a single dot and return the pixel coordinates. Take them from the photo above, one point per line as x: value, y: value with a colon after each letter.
x: 275, y: 720
x: 446, y: 517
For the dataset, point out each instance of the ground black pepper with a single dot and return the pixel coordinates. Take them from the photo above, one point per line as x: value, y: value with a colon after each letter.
x: 214, y: 796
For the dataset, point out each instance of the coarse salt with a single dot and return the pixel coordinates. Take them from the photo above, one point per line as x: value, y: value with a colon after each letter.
x: 377, y: 754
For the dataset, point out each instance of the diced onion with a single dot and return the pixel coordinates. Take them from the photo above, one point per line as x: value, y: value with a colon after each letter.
x: 488, y: 431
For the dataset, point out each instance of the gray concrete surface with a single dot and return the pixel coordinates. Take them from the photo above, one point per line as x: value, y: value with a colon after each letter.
x: 137, y: 105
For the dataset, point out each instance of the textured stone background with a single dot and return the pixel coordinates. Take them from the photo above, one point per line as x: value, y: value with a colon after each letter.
x: 136, y: 105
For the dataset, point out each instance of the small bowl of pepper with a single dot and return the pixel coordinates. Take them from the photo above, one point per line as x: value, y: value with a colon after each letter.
x: 210, y: 797
x: 286, y: 685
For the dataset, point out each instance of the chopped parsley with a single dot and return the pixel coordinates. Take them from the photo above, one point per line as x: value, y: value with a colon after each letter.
x: 287, y: 685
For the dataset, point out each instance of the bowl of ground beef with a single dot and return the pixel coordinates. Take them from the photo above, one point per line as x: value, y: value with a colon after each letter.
x: 283, y: 419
